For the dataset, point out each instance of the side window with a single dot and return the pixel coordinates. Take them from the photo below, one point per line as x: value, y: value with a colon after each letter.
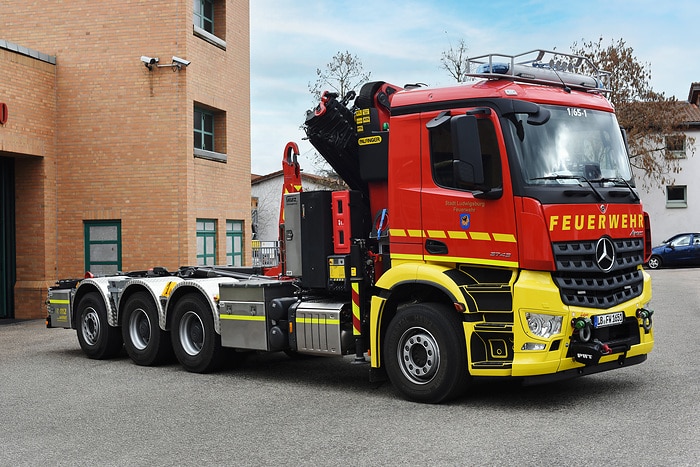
x: 103, y: 247
x: 442, y: 157
x: 681, y: 241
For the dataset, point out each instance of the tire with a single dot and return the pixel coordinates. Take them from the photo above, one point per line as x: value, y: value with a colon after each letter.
x: 425, y: 353
x: 145, y: 342
x: 97, y: 338
x: 196, y: 344
x: 654, y: 262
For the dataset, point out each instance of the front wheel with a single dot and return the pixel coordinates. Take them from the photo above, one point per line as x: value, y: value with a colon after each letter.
x: 97, y: 338
x: 425, y: 353
x: 144, y: 341
x: 654, y: 262
x: 196, y: 344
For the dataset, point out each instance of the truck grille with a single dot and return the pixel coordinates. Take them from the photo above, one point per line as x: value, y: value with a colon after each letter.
x: 581, y: 281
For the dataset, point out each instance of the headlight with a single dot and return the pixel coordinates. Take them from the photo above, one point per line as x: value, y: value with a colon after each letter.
x: 543, y: 325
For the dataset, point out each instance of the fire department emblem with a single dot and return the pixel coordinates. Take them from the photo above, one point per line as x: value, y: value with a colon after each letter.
x: 464, y: 220
x: 603, y: 208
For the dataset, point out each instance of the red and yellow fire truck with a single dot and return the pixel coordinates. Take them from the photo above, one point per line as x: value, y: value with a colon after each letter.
x: 489, y: 229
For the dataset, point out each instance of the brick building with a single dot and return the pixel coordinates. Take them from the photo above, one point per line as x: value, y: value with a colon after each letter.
x: 110, y: 160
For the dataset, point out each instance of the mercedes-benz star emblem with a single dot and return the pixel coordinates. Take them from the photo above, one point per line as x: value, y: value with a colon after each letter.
x: 605, y: 254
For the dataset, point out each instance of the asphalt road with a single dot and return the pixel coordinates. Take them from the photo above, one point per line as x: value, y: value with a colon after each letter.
x: 57, y: 407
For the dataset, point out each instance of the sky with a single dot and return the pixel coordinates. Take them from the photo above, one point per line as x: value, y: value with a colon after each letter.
x: 402, y: 42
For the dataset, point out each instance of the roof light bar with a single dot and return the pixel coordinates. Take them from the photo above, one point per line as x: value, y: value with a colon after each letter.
x: 541, y: 66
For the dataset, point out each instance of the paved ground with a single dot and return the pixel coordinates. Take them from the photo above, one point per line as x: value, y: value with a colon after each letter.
x: 59, y: 408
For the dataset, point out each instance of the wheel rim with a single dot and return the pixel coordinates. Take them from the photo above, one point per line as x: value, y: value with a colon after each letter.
x: 653, y: 263
x: 90, y: 326
x: 139, y: 329
x: 418, y: 354
x: 191, y: 333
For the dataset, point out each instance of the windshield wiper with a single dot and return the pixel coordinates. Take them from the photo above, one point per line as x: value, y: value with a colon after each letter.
x: 578, y: 178
x: 619, y: 180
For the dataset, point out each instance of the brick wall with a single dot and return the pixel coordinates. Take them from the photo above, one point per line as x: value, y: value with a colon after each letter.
x: 123, y: 134
x: 30, y: 132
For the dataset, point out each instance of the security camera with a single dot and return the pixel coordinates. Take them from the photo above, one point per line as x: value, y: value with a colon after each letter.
x: 180, y: 61
x: 149, y: 61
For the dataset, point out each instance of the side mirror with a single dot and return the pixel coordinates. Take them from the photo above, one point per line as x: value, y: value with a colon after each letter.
x: 468, y: 166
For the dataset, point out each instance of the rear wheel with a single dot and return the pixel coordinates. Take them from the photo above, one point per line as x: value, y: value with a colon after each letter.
x: 425, y: 353
x: 145, y: 342
x: 97, y: 338
x: 196, y: 344
x: 654, y: 262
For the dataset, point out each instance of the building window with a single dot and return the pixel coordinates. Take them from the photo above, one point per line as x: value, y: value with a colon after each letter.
x: 234, y: 242
x: 206, y: 242
x: 103, y: 247
x: 677, y: 196
x: 209, y: 127
x: 204, y: 15
x: 675, y: 145
x: 203, y: 129
x: 209, y: 18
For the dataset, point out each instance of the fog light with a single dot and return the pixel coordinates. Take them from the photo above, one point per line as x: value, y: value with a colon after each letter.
x: 533, y: 346
x: 543, y: 325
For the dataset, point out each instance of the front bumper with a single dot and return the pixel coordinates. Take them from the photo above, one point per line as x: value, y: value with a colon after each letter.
x: 620, y: 362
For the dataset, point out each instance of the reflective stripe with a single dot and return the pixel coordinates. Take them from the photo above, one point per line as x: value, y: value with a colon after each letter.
x: 458, y: 259
x: 479, y: 235
x: 510, y: 238
x: 356, y: 323
x: 403, y: 256
x: 242, y: 317
x: 317, y: 321
x: 59, y: 302
x: 436, y: 234
x: 454, y: 234
x: 455, y: 259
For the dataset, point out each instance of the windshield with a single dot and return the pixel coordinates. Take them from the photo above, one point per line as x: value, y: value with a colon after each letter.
x: 574, y: 144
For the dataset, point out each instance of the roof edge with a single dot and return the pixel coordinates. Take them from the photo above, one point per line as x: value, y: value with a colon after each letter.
x: 20, y: 49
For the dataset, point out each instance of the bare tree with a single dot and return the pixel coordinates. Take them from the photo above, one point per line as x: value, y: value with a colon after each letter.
x: 654, y: 123
x: 344, y: 73
x: 454, y: 61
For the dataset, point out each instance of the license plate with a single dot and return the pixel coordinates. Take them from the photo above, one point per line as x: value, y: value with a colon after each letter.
x: 611, y: 319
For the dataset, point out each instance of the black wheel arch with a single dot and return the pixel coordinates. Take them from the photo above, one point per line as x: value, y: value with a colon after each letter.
x: 406, y: 294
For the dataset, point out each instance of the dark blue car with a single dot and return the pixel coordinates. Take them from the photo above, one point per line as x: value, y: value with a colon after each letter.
x: 679, y: 250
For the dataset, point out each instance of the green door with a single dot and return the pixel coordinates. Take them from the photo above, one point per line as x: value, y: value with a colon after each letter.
x: 7, y: 237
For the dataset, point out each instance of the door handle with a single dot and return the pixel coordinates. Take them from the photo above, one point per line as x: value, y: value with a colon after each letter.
x: 435, y: 247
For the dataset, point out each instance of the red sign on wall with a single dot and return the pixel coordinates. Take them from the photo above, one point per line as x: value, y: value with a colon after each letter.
x: 3, y: 113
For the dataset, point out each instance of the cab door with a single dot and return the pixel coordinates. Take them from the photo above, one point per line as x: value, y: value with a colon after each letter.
x: 466, y: 218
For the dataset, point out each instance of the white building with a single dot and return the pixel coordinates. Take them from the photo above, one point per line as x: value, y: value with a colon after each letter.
x: 266, y: 191
x: 676, y: 208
